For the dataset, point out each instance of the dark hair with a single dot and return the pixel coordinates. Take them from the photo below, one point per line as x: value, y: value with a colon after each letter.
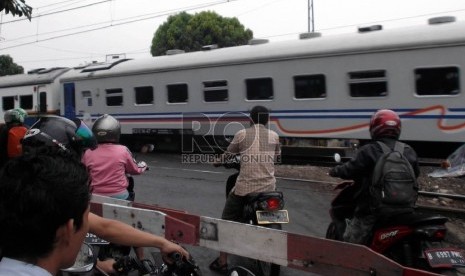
x: 39, y: 192
x: 259, y: 115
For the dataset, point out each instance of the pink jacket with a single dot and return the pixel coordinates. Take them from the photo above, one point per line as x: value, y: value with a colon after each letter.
x: 108, y: 165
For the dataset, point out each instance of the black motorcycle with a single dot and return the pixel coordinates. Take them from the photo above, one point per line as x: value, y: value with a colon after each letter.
x: 125, y: 264
x: 264, y: 209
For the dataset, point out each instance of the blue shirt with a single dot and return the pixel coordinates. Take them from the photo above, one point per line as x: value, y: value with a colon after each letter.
x: 18, y: 268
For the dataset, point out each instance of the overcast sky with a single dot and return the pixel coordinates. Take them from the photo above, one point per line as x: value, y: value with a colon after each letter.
x: 74, y: 32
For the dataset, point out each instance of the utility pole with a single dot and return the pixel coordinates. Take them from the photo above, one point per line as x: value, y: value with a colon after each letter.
x: 311, y: 22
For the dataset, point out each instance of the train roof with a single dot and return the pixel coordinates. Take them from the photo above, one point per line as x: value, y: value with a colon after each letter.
x: 34, y: 77
x: 415, y: 37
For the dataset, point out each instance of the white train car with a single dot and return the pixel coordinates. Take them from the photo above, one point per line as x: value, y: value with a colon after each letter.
x: 37, y: 92
x: 320, y: 87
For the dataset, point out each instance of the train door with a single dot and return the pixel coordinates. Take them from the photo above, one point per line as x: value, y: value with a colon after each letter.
x: 69, y: 102
x: 42, y: 102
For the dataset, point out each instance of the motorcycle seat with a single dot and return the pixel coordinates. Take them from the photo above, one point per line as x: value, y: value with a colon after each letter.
x: 421, y: 219
x: 412, y: 219
x: 263, y: 195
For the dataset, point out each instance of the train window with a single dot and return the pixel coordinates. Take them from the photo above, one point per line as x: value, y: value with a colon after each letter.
x: 310, y: 86
x: 8, y: 102
x: 215, y: 91
x: 259, y: 89
x: 437, y: 81
x: 25, y: 101
x: 371, y: 83
x: 87, y: 97
x: 114, y: 97
x: 177, y: 93
x: 144, y: 95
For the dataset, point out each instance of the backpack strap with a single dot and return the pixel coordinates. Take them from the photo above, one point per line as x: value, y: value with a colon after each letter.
x: 399, y: 147
x: 376, y: 174
x: 384, y: 147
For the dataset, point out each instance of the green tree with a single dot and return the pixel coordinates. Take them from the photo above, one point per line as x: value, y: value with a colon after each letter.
x: 191, y: 32
x: 8, y: 67
x: 16, y: 7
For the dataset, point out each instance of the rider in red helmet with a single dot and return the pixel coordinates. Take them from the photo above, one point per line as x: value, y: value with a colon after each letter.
x: 385, y: 126
x: 385, y: 123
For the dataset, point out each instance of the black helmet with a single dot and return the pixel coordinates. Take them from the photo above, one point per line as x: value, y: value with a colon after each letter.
x: 107, y: 129
x: 59, y: 131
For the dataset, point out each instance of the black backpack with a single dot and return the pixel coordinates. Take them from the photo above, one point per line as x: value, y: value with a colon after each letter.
x: 394, y: 187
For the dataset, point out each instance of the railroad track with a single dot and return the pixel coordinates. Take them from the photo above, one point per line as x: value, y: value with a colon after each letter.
x: 328, y: 161
x: 317, y: 185
x: 444, y: 211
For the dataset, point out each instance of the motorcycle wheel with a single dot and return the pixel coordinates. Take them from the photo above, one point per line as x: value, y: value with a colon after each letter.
x: 269, y: 269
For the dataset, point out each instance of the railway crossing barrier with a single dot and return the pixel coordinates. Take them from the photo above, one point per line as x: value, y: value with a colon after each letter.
x: 306, y: 253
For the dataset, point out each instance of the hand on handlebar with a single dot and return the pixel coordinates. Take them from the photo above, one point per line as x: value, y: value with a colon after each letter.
x: 142, y: 164
x: 172, y: 252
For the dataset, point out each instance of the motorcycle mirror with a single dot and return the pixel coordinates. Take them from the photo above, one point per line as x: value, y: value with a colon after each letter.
x: 337, y: 157
x: 240, y: 271
x: 85, y: 260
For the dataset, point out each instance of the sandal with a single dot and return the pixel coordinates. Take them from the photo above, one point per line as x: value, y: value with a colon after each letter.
x: 215, y: 266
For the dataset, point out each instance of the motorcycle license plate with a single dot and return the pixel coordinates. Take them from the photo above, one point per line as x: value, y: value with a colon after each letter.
x: 445, y: 257
x: 93, y: 239
x: 267, y: 217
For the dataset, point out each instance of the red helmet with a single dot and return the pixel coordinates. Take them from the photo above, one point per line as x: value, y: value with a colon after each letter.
x: 385, y: 123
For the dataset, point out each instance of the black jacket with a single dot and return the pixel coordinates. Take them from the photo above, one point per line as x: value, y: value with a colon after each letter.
x: 360, y: 169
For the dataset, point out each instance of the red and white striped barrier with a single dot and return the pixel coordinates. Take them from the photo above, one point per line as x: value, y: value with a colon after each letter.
x: 307, y: 253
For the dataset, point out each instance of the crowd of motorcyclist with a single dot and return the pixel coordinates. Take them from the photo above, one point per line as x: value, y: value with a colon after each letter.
x: 42, y: 194
x: 60, y: 157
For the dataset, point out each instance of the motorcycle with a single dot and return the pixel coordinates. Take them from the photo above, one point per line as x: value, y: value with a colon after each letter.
x: 128, y: 265
x: 411, y: 239
x: 84, y: 264
x: 262, y: 209
x: 179, y: 267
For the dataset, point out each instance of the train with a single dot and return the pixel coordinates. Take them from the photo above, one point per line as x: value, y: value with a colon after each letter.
x: 321, y: 89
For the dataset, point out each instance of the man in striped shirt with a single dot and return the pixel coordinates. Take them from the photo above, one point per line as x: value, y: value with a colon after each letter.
x: 259, y: 149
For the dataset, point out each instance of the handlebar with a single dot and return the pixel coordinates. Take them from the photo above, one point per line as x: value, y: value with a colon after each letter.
x: 175, y: 256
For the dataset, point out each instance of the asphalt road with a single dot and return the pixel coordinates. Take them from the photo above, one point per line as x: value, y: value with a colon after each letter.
x: 199, y: 189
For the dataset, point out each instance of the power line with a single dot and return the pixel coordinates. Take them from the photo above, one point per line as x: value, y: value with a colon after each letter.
x: 56, y: 12
x: 57, y: 3
x: 120, y: 24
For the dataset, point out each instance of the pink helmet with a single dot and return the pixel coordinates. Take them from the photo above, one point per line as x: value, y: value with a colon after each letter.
x: 385, y: 123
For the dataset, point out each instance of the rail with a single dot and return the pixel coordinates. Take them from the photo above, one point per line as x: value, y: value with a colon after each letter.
x: 328, y: 161
x: 445, y: 211
x: 306, y: 253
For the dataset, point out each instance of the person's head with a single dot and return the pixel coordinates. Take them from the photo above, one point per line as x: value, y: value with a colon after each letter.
x: 44, y: 206
x: 259, y: 115
x: 59, y: 132
x: 107, y: 129
x: 15, y: 116
x: 385, y: 123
